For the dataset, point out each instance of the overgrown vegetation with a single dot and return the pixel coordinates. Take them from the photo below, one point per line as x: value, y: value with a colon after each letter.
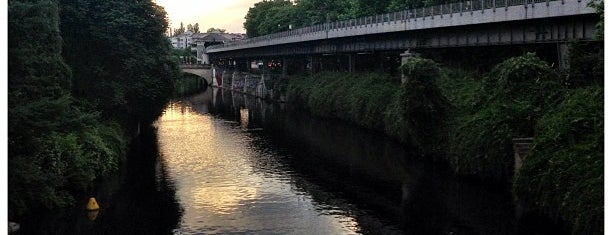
x: 525, y: 97
x: 184, y: 56
x: 563, y: 177
x: 73, y: 97
x: 359, y: 98
x: 424, y: 108
x: 505, y: 105
x: 470, y: 119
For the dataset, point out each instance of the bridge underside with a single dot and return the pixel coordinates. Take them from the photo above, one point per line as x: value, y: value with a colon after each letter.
x: 535, y: 31
x: 205, y: 74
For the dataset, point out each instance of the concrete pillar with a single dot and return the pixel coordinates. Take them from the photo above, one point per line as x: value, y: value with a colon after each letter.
x: 285, y: 64
x: 227, y: 78
x: 315, y: 64
x: 351, y: 63
x: 381, y: 62
x: 405, y: 56
x: 522, y: 147
x: 563, y: 55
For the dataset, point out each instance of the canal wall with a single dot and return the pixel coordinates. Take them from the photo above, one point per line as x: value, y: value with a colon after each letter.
x: 265, y: 85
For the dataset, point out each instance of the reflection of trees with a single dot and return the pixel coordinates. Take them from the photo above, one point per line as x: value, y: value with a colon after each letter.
x: 366, y: 176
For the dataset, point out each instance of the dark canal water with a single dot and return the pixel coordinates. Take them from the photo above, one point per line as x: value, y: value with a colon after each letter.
x: 223, y: 163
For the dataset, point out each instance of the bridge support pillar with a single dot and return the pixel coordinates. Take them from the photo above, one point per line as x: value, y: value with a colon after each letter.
x: 248, y: 66
x: 313, y: 64
x: 405, y: 57
x: 285, y: 64
x: 351, y: 63
x: 226, y: 78
x: 563, y: 55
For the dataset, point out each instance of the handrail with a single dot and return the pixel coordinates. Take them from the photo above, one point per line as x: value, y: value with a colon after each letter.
x: 404, y: 15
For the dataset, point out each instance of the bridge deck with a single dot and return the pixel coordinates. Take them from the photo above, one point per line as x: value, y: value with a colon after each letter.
x: 442, y: 16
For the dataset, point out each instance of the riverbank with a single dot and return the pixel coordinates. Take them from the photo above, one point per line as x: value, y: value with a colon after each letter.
x: 468, y: 120
x: 70, y: 120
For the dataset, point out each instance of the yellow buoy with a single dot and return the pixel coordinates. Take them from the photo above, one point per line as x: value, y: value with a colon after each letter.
x: 92, y: 205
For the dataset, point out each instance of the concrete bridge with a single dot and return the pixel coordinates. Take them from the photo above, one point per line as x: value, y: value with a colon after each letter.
x: 461, y: 24
x: 200, y: 70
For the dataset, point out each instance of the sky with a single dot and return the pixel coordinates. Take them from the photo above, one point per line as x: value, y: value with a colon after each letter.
x: 224, y: 14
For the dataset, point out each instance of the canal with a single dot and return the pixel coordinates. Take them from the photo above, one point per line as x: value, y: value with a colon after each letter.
x: 224, y: 163
x: 242, y: 165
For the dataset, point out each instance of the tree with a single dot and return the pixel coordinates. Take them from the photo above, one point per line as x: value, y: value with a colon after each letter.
x: 58, y: 144
x: 214, y: 30
x: 132, y: 77
x: 180, y: 30
x: 257, y: 19
x: 196, y: 28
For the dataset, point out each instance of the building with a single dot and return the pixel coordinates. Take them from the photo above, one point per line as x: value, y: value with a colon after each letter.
x: 198, y: 42
x: 183, y: 40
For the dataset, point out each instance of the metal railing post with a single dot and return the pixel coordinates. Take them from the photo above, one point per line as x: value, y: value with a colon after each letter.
x: 432, y: 12
x: 471, y: 7
x: 482, y: 6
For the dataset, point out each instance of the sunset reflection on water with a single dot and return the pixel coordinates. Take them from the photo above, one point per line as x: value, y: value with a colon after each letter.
x: 211, y: 162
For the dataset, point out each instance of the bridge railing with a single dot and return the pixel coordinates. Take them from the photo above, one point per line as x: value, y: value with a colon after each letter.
x: 405, y: 15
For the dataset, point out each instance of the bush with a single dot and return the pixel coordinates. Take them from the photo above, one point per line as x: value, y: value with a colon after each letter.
x: 490, y: 112
x: 368, y: 100
x: 424, y: 108
x: 563, y: 176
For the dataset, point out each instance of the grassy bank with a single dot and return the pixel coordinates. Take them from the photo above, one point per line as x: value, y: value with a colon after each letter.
x: 368, y: 100
x: 469, y: 120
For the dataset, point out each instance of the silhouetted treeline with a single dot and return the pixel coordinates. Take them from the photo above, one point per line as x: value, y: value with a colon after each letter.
x: 82, y: 74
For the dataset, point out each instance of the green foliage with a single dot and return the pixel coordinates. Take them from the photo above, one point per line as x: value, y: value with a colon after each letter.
x: 375, y: 102
x: 266, y: 16
x: 490, y: 112
x: 63, y: 130
x: 361, y: 8
x: 182, y: 56
x: 125, y: 65
x: 424, y: 108
x: 322, y: 11
x: 524, y: 97
x: 599, y: 8
x: 586, y: 62
x: 213, y: 30
x: 472, y: 121
x: 359, y: 98
x: 563, y: 176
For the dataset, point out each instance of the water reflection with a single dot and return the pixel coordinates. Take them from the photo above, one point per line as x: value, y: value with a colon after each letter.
x: 226, y: 183
x: 138, y: 199
x: 244, y: 118
x: 306, y: 175
x: 350, y: 171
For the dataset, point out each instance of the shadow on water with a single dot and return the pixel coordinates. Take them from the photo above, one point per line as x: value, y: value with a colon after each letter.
x: 368, y: 174
x: 137, y: 200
